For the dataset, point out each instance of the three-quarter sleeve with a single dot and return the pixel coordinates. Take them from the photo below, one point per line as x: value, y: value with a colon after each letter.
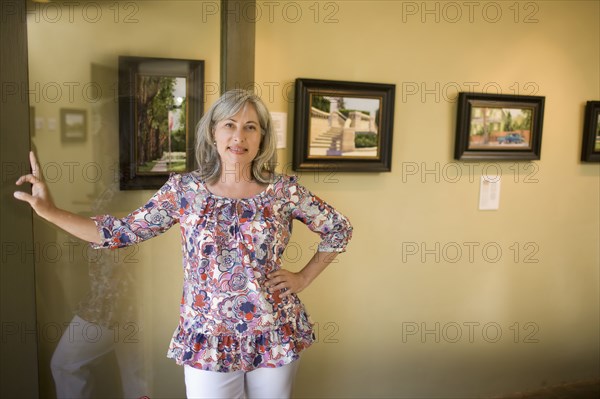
x: 155, y: 217
x: 334, y: 228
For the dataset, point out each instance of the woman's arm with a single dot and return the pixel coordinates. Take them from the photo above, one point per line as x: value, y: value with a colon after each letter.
x: 41, y: 202
x: 334, y: 229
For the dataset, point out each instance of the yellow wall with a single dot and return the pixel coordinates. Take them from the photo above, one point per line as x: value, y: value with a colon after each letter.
x: 550, y: 208
x: 366, y: 304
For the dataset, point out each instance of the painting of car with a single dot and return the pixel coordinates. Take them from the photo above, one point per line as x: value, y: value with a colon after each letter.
x: 498, y: 126
x: 511, y: 138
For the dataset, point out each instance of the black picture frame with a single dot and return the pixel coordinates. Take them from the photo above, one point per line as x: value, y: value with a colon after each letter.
x: 356, y: 138
x: 590, y: 146
x: 149, y: 111
x: 73, y: 125
x: 498, y: 127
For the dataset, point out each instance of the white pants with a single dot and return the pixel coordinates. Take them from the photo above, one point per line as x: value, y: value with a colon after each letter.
x: 80, y: 348
x: 264, y: 383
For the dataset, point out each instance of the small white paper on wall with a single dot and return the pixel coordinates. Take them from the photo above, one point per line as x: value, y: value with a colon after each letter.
x: 280, y: 126
x: 489, y: 193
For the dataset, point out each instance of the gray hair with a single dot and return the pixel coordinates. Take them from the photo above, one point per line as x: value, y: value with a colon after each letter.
x: 225, y: 107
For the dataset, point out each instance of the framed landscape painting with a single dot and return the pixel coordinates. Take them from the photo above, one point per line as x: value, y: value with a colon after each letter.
x: 160, y: 104
x: 498, y: 127
x: 343, y: 126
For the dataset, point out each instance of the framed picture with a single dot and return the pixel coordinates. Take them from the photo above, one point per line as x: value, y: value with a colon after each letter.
x: 498, y: 127
x: 160, y: 104
x: 590, y: 148
x: 73, y: 125
x: 343, y: 126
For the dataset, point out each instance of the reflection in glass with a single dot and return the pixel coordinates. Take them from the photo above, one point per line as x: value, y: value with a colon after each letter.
x: 101, y: 352
x: 102, y: 327
x: 106, y: 320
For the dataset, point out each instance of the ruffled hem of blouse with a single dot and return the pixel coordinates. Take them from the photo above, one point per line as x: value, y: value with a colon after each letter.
x: 233, y: 352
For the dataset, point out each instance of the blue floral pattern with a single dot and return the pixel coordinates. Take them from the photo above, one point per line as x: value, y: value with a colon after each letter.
x: 228, y: 320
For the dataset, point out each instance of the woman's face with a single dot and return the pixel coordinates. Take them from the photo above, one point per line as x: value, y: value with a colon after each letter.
x: 238, y: 138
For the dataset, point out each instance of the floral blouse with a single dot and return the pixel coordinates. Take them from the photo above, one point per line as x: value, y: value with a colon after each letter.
x: 228, y: 319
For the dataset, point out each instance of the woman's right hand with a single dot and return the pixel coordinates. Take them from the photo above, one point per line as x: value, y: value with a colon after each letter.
x: 42, y: 204
x: 39, y: 199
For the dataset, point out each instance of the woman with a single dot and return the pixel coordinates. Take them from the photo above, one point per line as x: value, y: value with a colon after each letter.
x: 242, y: 326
